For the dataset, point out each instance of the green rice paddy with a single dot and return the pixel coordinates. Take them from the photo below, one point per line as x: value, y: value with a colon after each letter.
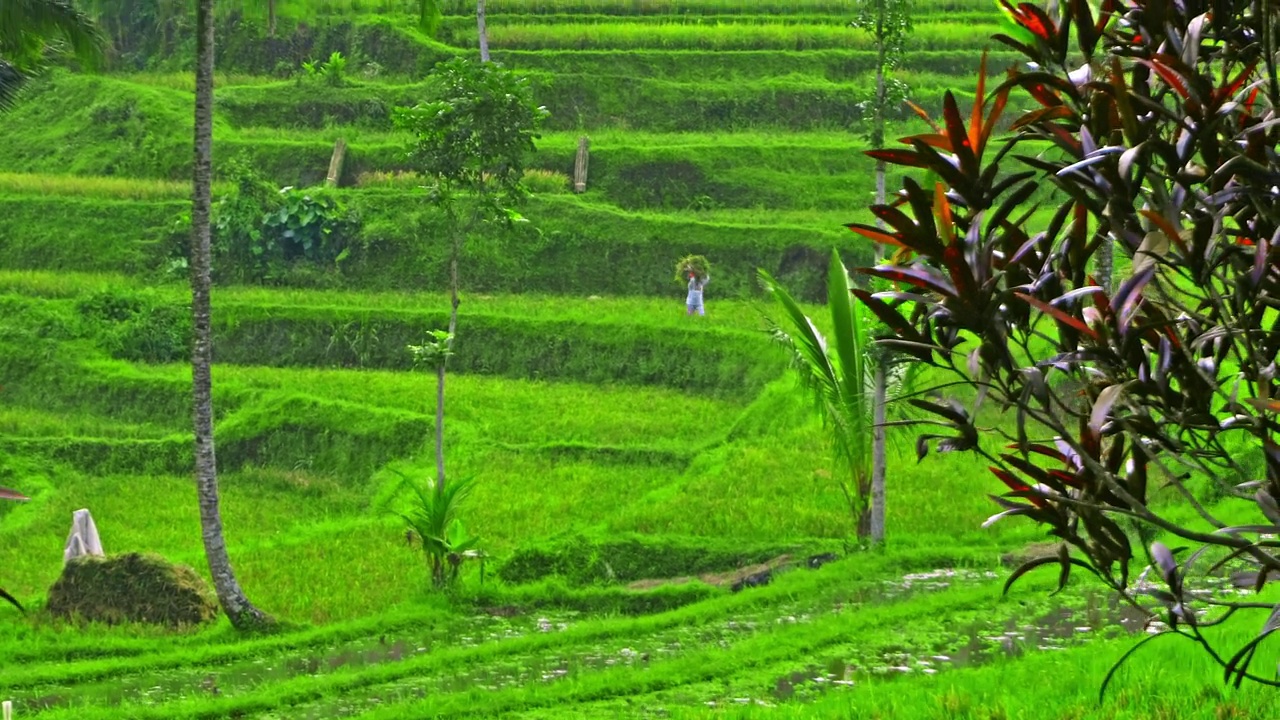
x: 608, y: 435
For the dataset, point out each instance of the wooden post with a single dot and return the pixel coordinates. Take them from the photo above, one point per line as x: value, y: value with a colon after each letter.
x: 580, y: 165
x: 335, y: 163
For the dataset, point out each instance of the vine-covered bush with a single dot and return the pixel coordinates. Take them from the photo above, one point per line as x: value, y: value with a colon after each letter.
x: 261, y: 233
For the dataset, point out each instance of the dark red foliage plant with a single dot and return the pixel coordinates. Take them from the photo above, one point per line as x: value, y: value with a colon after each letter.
x: 1133, y: 394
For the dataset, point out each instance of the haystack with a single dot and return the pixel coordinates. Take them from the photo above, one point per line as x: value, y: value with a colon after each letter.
x: 138, y: 588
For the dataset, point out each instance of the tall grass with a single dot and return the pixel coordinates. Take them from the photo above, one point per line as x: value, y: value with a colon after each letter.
x: 666, y: 7
x: 114, y: 188
x: 186, y: 81
x: 841, y: 20
x: 676, y: 36
x: 539, y: 182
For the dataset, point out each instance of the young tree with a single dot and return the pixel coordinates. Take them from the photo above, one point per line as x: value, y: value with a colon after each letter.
x: 241, y: 612
x: 1166, y: 116
x: 29, y: 29
x: 842, y: 377
x: 470, y: 140
x: 889, y: 24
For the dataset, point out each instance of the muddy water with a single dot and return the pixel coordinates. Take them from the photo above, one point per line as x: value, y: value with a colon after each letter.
x: 965, y: 645
x: 974, y: 644
x: 553, y: 664
x: 238, y: 677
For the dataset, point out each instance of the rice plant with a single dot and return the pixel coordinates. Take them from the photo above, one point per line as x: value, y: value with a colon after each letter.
x: 679, y: 36
x: 115, y: 188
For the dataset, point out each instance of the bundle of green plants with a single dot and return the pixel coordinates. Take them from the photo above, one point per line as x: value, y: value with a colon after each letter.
x: 696, y: 265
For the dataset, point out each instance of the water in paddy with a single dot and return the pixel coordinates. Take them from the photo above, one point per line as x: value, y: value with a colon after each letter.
x: 958, y: 645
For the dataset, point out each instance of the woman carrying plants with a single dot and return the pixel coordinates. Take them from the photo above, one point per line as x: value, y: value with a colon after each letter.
x: 697, y: 271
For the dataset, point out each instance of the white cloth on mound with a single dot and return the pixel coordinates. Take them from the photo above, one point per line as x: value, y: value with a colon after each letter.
x: 83, y: 539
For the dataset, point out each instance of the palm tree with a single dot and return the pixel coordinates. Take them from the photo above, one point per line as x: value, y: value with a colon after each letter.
x: 242, y: 613
x: 843, y: 380
x: 29, y: 27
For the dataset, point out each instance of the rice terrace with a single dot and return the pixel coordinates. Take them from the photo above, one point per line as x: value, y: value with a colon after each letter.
x: 639, y: 359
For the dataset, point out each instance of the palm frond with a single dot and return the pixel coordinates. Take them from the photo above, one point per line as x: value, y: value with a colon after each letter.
x: 4, y: 595
x: 11, y: 82
x: 7, y: 494
x: 806, y: 346
x: 839, y: 376
x: 852, y: 346
x: 27, y: 25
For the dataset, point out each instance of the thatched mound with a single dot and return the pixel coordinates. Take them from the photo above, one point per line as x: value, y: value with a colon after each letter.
x: 132, y: 588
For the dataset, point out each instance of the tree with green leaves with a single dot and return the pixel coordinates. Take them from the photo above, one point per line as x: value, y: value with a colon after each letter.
x: 240, y: 611
x: 889, y: 24
x: 842, y: 376
x: 470, y: 140
x: 31, y: 29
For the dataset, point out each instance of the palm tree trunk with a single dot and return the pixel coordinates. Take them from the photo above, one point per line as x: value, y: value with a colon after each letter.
x: 271, y: 18
x: 484, y: 31
x: 440, y: 369
x: 879, y: 389
x: 238, y: 608
x: 878, y: 459
x: 864, y: 508
x: 440, y: 427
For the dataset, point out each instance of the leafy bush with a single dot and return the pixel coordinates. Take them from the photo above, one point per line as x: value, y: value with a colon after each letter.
x: 332, y: 71
x: 1166, y: 150
x: 260, y: 232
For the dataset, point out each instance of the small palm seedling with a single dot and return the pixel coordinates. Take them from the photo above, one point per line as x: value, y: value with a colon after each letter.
x: 432, y: 520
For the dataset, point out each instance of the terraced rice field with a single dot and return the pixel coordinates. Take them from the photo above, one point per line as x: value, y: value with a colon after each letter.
x: 656, y: 500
